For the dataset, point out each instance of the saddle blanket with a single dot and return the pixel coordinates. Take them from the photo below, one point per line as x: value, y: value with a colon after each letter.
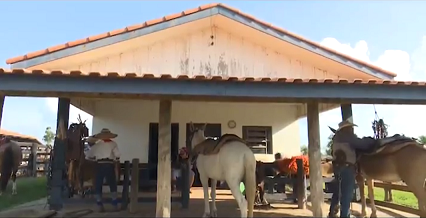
x: 212, y: 146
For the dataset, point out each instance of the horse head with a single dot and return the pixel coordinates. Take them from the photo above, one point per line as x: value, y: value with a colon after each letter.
x: 196, y: 134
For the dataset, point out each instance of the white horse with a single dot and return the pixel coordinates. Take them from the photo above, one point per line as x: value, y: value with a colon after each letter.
x: 234, y: 163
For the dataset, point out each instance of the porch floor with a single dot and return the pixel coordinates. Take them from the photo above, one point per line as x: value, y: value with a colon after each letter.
x: 226, y: 205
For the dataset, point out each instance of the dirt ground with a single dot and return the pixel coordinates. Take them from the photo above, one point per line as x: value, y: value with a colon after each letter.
x: 226, y: 205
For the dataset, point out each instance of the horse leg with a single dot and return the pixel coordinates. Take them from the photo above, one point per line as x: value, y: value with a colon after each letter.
x: 213, y: 212
x: 360, y: 181
x: 14, y: 191
x: 262, y: 193
x: 371, y: 197
x: 205, y: 182
x: 234, y: 186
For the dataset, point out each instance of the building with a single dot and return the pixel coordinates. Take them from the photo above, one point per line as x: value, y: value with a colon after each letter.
x: 212, y: 64
x: 208, y: 41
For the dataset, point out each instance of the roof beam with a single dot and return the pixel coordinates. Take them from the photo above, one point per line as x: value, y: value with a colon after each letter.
x: 83, y: 86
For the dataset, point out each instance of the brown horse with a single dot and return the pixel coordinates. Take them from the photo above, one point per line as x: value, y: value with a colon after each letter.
x: 10, y: 160
x: 394, y: 159
x: 74, y: 155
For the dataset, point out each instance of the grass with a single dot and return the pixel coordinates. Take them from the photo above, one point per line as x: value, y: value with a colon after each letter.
x: 29, y: 189
x: 406, y: 199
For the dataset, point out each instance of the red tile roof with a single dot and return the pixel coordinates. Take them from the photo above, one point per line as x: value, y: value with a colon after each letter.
x: 17, y: 135
x: 178, y: 15
x: 203, y: 77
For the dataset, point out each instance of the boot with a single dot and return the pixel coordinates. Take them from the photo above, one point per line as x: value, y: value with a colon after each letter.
x: 114, y: 203
x: 101, y: 208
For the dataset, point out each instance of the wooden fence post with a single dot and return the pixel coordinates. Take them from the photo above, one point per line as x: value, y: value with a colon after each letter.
x: 126, y: 182
x: 301, y: 185
x: 34, y: 147
x: 134, y: 186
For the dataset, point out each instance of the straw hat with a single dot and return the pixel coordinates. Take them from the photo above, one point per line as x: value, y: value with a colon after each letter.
x: 345, y: 123
x: 105, y: 134
x: 91, y: 139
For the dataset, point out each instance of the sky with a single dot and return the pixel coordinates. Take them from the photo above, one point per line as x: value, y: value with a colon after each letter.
x: 390, y: 34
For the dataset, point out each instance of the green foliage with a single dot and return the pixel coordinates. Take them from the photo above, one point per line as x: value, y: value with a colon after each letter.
x: 329, y: 144
x: 422, y: 139
x: 48, y: 137
x: 304, y: 149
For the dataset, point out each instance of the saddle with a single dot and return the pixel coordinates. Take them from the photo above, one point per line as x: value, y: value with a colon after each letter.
x: 391, y: 144
x: 212, y: 146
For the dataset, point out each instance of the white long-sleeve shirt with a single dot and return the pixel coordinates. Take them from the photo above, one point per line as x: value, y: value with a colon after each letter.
x: 104, y: 149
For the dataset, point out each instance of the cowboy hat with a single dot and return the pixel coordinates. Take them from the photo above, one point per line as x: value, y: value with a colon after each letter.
x: 91, y: 139
x: 345, y: 123
x: 105, y: 134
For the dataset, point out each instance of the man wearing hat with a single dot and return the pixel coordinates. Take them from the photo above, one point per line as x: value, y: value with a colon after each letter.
x: 344, y: 148
x: 105, y: 152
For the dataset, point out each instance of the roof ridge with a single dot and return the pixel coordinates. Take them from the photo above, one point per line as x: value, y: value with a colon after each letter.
x: 178, y: 15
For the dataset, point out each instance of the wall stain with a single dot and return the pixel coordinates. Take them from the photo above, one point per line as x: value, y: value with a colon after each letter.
x: 222, y: 67
x: 234, y: 70
x: 184, y: 66
x: 208, y: 69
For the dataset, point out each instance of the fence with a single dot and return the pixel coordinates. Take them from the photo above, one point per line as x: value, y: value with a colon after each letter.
x: 388, y: 187
x: 31, y: 166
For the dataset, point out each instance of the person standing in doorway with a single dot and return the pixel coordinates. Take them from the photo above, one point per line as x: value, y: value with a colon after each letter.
x: 344, y: 148
x: 105, y: 152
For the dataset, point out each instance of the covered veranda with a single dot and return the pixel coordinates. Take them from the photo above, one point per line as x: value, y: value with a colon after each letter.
x: 166, y: 89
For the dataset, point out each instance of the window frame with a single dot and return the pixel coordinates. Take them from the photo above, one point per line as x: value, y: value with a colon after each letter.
x: 268, y: 136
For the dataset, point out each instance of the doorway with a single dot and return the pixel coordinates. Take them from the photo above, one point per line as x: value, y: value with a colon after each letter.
x: 153, y: 146
x: 212, y: 130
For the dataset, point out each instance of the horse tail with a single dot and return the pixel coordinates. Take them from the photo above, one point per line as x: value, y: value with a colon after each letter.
x: 6, y: 167
x: 250, y: 181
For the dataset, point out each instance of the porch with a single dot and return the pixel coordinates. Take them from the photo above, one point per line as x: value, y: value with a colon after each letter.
x: 169, y: 90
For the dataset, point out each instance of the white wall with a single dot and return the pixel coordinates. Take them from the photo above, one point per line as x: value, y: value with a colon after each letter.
x: 130, y: 120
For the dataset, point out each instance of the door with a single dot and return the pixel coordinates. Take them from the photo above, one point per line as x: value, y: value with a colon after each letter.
x: 153, y: 146
x: 212, y: 130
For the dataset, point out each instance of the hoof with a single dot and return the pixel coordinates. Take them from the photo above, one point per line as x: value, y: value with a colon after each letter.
x: 14, y: 193
x: 206, y: 215
x: 213, y: 214
x: 1, y: 193
x: 373, y: 216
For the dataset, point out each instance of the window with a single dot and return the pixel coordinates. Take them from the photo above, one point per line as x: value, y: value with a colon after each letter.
x: 259, y: 138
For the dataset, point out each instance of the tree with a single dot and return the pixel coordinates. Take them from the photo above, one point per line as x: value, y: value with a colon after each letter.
x: 422, y: 139
x: 304, y: 149
x: 49, y: 136
x: 329, y: 144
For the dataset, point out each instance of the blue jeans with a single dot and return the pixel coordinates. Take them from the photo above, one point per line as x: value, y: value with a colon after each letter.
x: 346, y: 174
x: 105, y: 171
